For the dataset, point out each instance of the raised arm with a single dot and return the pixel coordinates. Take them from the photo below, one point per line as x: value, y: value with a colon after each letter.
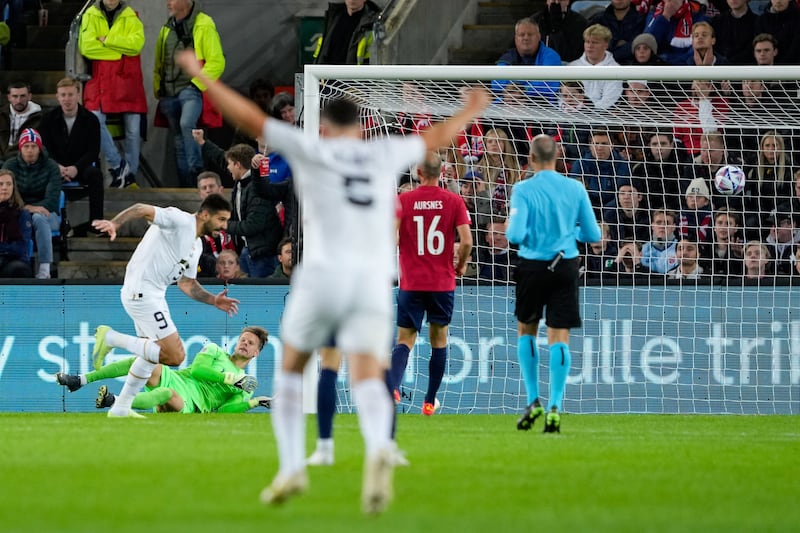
x: 442, y: 134
x: 239, y: 110
x: 134, y: 212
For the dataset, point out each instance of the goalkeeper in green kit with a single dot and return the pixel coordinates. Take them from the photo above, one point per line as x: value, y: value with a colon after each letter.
x: 214, y: 382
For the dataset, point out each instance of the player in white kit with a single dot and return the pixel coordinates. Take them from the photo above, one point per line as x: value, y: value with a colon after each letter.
x: 344, y: 286
x: 168, y: 253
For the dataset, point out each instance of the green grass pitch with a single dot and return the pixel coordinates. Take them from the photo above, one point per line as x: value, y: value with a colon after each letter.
x: 175, y: 473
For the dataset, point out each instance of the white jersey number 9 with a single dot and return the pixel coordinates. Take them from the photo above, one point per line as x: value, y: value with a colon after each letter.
x: 432, y: 239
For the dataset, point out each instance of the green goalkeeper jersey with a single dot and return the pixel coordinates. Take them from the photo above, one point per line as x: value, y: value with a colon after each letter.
x: 208, y: 371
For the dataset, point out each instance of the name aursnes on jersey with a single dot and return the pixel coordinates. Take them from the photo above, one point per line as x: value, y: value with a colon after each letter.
x: 428, y: 204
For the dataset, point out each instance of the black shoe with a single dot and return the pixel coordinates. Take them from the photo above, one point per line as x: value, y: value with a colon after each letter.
x: 119, y: 175
x: 532, y: 412
x: 104, y: 398
x: 70, y: 381
x: 552, y: 422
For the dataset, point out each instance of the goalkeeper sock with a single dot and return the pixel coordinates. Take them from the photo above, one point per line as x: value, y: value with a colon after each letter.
x: 145, y: 348
x: 113, y: 370
x: 374, y: 407
x: 528, y: 355
x: 140, y: 372
x: 326, y: 403
x: 153, y: 398
x: 560, y: 360
x: 288, y: 422
x: 399, y: 362
x: 436, y: 371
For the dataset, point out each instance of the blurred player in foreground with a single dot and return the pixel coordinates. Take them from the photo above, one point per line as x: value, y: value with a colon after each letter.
x: 344, y: 286
x: 168, y: 253
x: 430, y: 219
x: 545, y: 210
x: 200, y: 388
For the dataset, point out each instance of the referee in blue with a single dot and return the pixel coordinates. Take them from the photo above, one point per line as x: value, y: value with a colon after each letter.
x: 548, y: 213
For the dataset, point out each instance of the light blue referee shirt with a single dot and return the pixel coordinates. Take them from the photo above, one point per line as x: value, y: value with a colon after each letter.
x: 548, y: 213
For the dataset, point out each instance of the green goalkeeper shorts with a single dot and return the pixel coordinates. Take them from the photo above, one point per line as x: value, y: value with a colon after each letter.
x: 187, y: 389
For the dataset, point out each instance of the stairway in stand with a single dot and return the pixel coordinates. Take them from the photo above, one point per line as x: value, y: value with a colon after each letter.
x: 98, y: 257
x: 39, y: 56
x: 493, y: 34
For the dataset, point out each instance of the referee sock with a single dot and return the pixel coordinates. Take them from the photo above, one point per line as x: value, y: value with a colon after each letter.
x: 140, y: 372
x: 150, y: 399
x: 326, y: 403
x: 560, y: 360
x: 374, y: 407
x: 399, y: 362
x: 146, y: 348
x: 288, y: 422
x: 113, y: 370
x: 528, y: 355
x: 436, y: 370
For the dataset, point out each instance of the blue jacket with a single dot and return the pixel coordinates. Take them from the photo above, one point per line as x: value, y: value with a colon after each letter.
x: 548, y: 213
x: 545, y: 57
x: 660, y: 257
x: 600, y: 177
x: 279, y: 170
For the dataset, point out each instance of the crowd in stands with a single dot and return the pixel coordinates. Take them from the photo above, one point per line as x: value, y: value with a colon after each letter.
x: 652, y: 187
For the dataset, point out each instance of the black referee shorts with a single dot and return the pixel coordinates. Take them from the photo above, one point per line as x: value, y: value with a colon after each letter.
x: 538, y: 288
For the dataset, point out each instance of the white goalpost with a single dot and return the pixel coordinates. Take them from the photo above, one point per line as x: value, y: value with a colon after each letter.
x: 660, y: 335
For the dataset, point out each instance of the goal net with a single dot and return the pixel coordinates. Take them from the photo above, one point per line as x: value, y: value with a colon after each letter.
x: 689, y: 301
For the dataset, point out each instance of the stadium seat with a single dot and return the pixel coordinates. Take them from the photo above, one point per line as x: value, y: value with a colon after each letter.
x: 588, y: 8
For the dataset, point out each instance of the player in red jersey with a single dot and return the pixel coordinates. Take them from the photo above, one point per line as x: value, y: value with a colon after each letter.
x: 429, y: 220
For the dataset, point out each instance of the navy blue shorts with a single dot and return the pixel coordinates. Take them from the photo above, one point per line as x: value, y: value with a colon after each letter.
x: 413, y: 305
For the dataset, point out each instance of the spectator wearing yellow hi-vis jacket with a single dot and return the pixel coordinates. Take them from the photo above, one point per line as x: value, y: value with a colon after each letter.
x: 348, y: 35
x: 182, y: 105
x: 112, y: 37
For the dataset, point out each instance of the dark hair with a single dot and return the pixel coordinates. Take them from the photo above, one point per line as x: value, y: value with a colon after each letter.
x: 279, y: 101
x: 259, y: 332
x: 19, y: 84
x: 284, y: 242
x: 765, y: 37
x: 241, y: 153
x: 341, y: 112
x: 214, y: 203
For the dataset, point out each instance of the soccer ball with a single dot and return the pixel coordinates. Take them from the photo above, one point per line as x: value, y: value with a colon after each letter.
x: 729, y: 180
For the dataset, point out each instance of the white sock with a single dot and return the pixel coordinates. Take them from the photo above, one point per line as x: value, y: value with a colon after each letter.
x: 138, y: 375
x: 44, y: 270
x: 288, y: 422
x: 145, y: 348
x: 83, y: 379
x: 325, y: 446
x: 374, y: 413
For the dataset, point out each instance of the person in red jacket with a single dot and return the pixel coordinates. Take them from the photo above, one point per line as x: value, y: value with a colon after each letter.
x: 112, y: 36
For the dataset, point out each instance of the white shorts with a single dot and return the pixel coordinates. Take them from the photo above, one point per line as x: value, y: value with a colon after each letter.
x: 150, y: 316
x: 354, y: 309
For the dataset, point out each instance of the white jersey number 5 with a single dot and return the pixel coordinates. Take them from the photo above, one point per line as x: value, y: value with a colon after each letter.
x: 433, y: 239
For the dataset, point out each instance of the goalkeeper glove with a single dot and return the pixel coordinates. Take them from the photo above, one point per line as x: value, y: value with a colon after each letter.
x: 241, y: 381
x: 261, y: 401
